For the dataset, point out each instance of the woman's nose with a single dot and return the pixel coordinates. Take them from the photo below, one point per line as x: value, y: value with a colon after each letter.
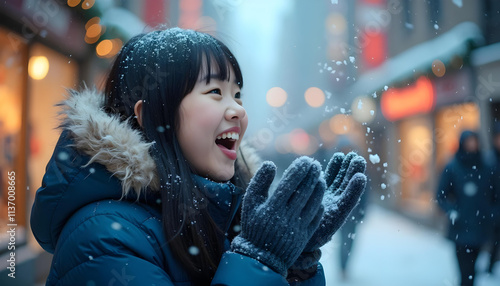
x: 235, y: 111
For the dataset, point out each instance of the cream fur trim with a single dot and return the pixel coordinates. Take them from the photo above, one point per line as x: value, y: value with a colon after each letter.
x: 109, y: 141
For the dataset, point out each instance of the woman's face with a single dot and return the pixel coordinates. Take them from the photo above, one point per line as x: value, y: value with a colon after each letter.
x: 212, y: 124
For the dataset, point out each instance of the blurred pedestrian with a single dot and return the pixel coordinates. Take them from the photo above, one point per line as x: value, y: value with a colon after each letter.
x: 465, y: 195
x: 494, y: 251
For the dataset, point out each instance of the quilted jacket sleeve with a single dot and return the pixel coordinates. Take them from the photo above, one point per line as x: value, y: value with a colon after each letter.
x: 236, y: 269
x: 101, y: 247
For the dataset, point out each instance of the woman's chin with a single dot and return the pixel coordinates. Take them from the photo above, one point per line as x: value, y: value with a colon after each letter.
x: 221, y: 175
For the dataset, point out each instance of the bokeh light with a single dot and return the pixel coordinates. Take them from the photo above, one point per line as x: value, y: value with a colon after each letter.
x: 336, y: 23
x: 38, y: 67
x: 438, y: 68
x: 104, y: 48
x: 363, y: 109
x: 315, y: 97
x: 73, y: 3
x: 341, y: 124
x: 276, y: 97
x: 87, y: 4
x: 92, y: 21
x: 94, y: 31
x: 302, y: 143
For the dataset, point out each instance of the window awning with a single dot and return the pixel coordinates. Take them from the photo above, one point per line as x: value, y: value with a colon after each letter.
x: 417, y: 60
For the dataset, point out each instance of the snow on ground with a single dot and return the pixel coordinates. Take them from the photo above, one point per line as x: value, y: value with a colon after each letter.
x: 392, y: 250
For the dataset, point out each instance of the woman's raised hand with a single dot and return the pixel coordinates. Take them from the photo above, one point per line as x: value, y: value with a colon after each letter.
x: 277, y: 227
x: 344, y: 176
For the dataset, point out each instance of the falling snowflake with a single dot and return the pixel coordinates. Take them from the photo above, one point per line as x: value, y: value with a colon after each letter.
x: 193, y: 250
x: 116, y: 226
x: 63, y: 156
x: 375, y: 159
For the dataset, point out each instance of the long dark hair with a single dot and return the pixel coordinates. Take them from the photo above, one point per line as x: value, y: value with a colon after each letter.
x: 161, y: 67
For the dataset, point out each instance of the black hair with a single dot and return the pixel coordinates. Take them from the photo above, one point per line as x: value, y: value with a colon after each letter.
x: 160, y: 68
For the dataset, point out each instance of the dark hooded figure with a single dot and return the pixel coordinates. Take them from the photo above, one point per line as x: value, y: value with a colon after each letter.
x: 466, y: 196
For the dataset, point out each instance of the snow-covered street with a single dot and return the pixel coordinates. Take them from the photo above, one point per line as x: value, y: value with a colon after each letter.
x: 392, y: 250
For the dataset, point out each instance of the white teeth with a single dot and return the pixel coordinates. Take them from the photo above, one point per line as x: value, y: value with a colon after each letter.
x: 229, y: 135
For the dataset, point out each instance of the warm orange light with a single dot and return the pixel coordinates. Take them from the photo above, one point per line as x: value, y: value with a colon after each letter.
x: 438, y: 68
x: 94, y: 31
x: 341, y: 124
x: 399, y: 103
x: 87, y: 4
x: 315, y: 97
x: 276, y: 96
x: 38, y: 67
x: 104, y: 48
x: 73, y: 3
x: 336, y: 23
x: 92, y: 21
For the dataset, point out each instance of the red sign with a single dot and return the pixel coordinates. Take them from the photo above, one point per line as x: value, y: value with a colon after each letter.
x: 397, y: 103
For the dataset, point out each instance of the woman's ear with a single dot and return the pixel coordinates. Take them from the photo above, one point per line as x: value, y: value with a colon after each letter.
x: 138, y: 111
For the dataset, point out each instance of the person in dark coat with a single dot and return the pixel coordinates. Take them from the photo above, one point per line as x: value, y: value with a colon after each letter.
x: 465, y: 195
x: 149, y: 183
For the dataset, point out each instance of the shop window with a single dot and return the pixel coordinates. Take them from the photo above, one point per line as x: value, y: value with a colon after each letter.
x: 32, y: 81
x: 12, y: 87
x: 415, y: 161
x: 62, y: 73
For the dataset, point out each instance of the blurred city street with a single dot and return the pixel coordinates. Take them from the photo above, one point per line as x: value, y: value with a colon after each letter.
x: 411, y: 86
x: 391, y: 250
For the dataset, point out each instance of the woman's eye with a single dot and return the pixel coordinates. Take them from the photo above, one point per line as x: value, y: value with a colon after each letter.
x: 215, y: 91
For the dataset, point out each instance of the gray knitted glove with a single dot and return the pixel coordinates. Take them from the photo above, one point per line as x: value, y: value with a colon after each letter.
x: 275, y: 229
x: 346, y: 182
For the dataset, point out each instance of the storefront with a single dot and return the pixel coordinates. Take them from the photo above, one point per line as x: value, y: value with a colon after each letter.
x: 427, y: 118
x: 41, y: 45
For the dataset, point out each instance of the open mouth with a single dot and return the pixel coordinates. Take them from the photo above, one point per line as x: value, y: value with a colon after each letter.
x: 227, y: 140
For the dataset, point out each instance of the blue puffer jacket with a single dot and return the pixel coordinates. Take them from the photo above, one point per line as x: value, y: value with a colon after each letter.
x: 98, y: 239
x: 465, y: 193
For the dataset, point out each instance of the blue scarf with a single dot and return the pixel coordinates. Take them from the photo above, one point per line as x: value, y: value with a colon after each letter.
x: 224, y: 200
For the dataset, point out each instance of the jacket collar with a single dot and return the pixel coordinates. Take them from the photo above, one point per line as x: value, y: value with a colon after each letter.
x: 223, y: 200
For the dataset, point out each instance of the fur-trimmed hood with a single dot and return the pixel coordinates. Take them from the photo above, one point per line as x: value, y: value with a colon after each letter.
x: 116, y: 145
x: 98, y: 157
